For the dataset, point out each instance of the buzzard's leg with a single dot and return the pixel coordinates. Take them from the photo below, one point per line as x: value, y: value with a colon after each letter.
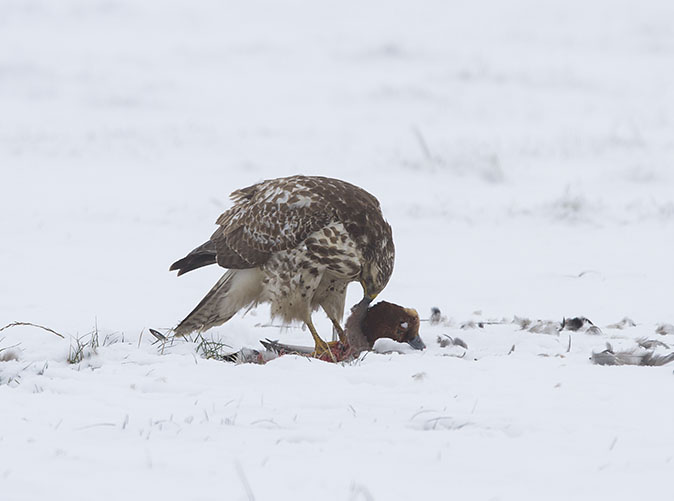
x: 338, y: 329
x: 320, y: 346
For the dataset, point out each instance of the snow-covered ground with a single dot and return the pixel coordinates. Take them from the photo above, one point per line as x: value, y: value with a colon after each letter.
x: 523, y: 152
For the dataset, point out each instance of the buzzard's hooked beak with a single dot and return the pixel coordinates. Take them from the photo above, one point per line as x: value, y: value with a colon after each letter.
x: 417, y: 343
x: 364, y: 302
x: 366, y: 295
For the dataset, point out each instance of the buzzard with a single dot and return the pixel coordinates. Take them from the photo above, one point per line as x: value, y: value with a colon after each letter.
x: 296, y: 243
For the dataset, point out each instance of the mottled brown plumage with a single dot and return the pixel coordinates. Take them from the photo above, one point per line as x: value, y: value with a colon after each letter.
x: 295, y: 243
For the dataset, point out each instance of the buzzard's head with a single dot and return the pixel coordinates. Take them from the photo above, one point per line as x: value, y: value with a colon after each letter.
x: 376, y: 271
x: 388, y: 320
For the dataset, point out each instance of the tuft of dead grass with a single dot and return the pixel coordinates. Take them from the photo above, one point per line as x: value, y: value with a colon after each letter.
x: 85, y: 346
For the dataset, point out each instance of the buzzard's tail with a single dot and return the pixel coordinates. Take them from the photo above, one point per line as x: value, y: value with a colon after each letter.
x: 236, y: 289
x: 203, y: 255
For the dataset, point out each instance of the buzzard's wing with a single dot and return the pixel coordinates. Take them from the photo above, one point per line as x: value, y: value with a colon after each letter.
x: 250, y: 233
x: 276, y: 215
x: 268, y: 217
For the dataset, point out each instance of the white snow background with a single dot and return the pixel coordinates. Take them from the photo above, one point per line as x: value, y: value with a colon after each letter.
x: 523, y: 153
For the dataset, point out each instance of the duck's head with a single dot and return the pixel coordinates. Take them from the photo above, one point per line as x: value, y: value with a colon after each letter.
x: 388, y: 320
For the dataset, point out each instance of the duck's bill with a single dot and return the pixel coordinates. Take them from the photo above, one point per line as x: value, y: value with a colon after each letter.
x: 417, y: 343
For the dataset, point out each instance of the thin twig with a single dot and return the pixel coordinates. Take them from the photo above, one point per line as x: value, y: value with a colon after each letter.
x: 16, y: 324
x: 244, y: 481
x: 422, y: 143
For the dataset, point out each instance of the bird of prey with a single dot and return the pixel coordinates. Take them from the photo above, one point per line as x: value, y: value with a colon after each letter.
x: 296, y: 243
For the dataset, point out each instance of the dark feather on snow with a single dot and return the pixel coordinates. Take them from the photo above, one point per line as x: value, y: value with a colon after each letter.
x: 575, y: 323
x: 436, y: 315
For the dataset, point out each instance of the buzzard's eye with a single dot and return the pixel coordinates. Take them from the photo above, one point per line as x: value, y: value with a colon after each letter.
x: 404, y: 325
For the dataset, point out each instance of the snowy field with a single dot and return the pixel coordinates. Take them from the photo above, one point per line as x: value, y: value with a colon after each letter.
x: 523, y: 153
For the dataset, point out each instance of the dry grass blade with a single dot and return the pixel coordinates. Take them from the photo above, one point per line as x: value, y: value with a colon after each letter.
x: 422, y: 143
x: 216, y: 350
x: 244, y: 481
x: 76, y: 352
x: 29, y: 324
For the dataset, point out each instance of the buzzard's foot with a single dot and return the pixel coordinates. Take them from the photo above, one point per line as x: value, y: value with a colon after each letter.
x: 322, y: 351
x: 321, y: 348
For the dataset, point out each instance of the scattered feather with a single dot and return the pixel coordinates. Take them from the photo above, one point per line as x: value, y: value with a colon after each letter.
x: 444, y: 340
x: 546, y: 327
x: 630, y: 357
x: 523, y: 322
x: 623, y: 324
x: 594, y: 330
x: 651, y: 344
x: 8, y: 355
x: 575, y: 323
x: 460, y: 342
x: 436, y: 316
x: 664, y: 329
x: 250, y: 356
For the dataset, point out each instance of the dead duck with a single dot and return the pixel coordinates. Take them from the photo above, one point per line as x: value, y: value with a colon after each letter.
x: 384, y: 320
x: 363, y: 328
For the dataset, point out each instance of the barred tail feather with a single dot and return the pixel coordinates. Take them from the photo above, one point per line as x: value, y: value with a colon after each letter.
x: 236, y: 289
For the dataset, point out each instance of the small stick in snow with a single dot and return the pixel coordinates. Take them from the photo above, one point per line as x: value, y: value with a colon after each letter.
x: 244, y: 481
x: 422, y: 143
x: 16, y: 324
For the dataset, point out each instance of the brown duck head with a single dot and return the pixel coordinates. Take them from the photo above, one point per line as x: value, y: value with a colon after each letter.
x: 384, y: 320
